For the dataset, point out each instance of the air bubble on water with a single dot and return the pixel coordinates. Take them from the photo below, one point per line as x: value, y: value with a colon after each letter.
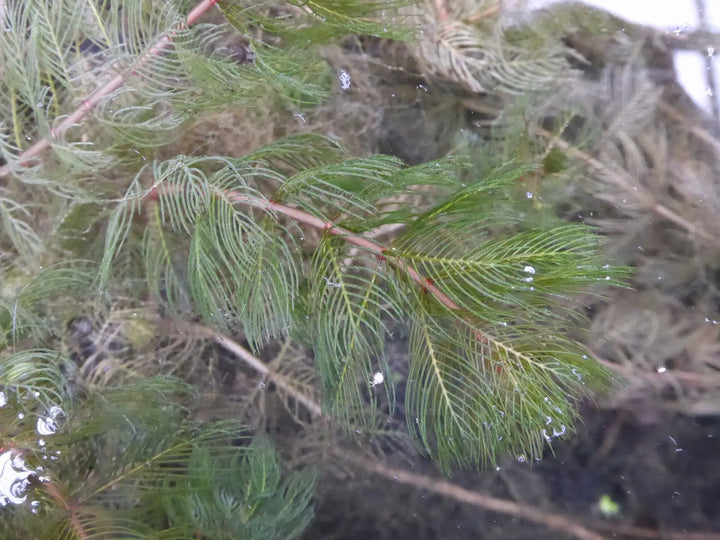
x: 344, y: 79
x: 377, y: 378
x: 14, y: 478
x: 529, y: 195
x: 529, y: 270
x: 555, y: 433
x: 3, y: 399
x: 521, y: 458
x: 675, y: 444
x: 710, y: 51
x: 47, y: 425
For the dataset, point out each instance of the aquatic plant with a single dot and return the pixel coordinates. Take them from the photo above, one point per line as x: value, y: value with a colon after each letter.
x: 128, y: 256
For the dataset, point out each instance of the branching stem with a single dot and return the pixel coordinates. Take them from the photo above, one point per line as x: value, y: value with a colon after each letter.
x: 691, y: 125
x: 433, y: 485
x: 52, y: 489
x: 108, y: 88
x: 480, y: 500
x: 259, y: 366
x: 330, y: 228
x: 483, y: 15
x: 627, y: 183
x: 619, y: 177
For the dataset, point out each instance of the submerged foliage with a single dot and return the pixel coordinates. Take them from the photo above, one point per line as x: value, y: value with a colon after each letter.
x: 127, y: 463
x: 115, y: 248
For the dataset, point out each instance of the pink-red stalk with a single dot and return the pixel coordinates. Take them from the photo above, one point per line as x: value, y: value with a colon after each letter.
x: 108, y: 88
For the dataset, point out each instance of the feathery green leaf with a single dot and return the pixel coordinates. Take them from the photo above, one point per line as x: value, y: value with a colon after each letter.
x: 478, y: 392
x: 350, y: 308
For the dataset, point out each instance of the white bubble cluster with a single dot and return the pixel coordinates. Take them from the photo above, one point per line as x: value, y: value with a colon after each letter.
x: 14, y: 478
x: 47, y: 425
x: 344, y: 79
x: 529, y: 270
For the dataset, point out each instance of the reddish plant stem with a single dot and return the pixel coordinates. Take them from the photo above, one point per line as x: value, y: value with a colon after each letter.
x: 108, y: 88
x: 485, y: 14
x: 257, y: 365
x: 329, y: 227
x: 77, y: 527
x: 439, y: 486
x: 440, y: 10
x: 442, y: 487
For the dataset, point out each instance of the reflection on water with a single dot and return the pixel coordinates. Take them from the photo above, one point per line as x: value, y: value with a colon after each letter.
x: 15, y: 477
x: 47, y: 425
